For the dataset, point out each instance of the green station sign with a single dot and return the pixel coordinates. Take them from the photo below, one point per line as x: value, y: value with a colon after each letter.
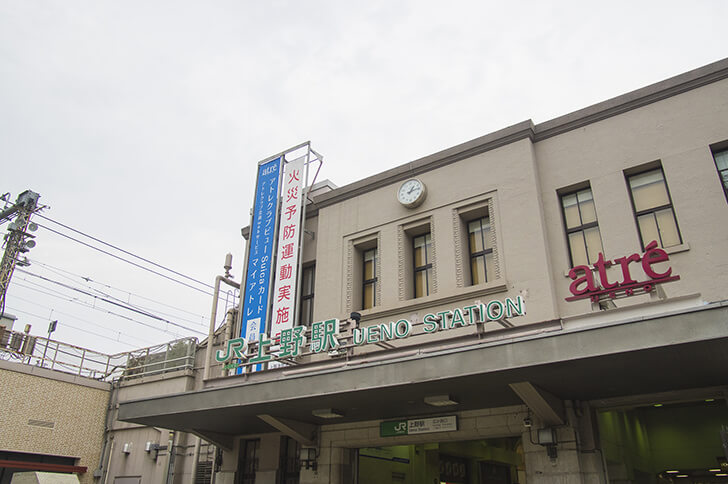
x: 394, y: 428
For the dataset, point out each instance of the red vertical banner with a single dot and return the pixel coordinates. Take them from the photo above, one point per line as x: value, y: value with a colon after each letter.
x: 289, y: 234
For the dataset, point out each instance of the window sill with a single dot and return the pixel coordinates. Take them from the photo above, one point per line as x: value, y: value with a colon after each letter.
x: 676, y: 249
x: 433, y: 300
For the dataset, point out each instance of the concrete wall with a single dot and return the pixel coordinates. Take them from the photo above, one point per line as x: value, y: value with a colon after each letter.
x: 519, y: 181
x: 678, y: 132
x: 47, y: 412
x: 154, y: 464
x: 503, y: 180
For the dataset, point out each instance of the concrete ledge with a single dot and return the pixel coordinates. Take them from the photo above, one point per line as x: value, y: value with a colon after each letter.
x: 682, y: 350
x: 54, y: 375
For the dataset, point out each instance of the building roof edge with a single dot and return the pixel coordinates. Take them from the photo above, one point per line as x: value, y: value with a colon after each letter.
x: 652, y: 93
x: 505, y: 136
x: 623, y: 103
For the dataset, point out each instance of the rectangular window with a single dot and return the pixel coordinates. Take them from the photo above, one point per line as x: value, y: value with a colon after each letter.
x: 653, y: 208
x: 481, y: 250
x: 721, y: 162
x: 582, y: 229
x: 290, y: 461
x: 369, y: 281
x: 422, y: 251
x: 307, y: 283
x: 247, y: 461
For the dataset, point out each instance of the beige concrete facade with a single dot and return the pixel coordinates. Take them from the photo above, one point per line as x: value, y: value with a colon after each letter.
x: 560, y: 365
x: 52, y: 413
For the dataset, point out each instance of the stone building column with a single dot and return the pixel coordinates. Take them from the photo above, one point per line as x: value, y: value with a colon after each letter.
x: 226, y: 474
x: 577, y: 458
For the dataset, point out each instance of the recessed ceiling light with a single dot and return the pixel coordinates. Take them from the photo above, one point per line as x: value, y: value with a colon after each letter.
x: 672, y: 472
x: 713, y: 470
x: 681, y: 475
x: 657, y: 405
x: 710, y: 399
x: 327, y: 413
x: 722, y: 475
x: 440, y: 401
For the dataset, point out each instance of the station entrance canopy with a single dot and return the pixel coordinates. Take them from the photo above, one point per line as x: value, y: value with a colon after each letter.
x: 545, y: 365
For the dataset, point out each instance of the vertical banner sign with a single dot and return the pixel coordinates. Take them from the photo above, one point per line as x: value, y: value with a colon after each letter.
x: 289, y: 232
x: 260, y: 255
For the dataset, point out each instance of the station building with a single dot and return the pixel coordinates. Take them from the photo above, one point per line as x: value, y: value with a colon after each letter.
x: 546, y: 303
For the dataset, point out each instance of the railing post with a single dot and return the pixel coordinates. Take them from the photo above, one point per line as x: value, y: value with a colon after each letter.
x: 55, y: 355
x: 80, y: 365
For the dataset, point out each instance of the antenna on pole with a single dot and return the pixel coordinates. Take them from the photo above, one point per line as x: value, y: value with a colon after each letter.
x: 18, y: 240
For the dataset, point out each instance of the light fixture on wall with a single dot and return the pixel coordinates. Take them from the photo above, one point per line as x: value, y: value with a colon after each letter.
x: 153, y: 448
x: 327, y: 413
x: 440, y: 400
x: 547, y: 438
x: 308, y: 458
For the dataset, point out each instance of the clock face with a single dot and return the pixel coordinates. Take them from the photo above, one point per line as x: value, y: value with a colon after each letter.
x: 411, y: 193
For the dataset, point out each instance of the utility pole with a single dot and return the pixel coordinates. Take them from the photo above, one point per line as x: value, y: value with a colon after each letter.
x: 16, y: 239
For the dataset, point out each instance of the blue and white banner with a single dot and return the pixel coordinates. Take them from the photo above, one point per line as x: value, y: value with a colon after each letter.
x: 260, y: 255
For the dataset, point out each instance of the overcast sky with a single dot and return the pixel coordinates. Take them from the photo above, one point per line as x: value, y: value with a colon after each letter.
x: 141, y: 123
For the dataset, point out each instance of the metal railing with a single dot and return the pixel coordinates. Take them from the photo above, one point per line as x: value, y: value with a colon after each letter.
x: 162, y: 358
x: 67, y: 358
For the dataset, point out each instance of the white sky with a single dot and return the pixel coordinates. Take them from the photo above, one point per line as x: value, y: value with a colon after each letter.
x: 141, y: 123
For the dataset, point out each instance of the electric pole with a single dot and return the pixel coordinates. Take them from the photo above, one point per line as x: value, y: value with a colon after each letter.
x: 17, y: 240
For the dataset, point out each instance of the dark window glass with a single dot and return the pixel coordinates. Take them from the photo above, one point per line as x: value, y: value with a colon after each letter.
x: 422, y: 251
x: 290, y: 462
x: 247, y: 462
x: 369, y: 285
x: 721, y: 161
x: 307, y: 284
x: 481, y: 250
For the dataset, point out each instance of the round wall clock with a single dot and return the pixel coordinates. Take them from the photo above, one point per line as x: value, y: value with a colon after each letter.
x: 412, y: 193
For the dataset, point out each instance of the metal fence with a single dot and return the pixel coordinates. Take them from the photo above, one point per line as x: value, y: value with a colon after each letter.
x: 55, y: 355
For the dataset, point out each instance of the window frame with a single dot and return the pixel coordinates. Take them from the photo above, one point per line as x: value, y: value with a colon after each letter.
x: 723, y: 181
x: 307, y: 296
x: 369, y: 282
x: 356, y: 245
x: 584, y: 226
x: 426, y: 268
x: 472, y: 256
x: 652, y: 210
x: 464, y: 211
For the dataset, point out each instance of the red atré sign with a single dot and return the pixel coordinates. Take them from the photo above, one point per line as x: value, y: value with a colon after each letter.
x: 585, y: 284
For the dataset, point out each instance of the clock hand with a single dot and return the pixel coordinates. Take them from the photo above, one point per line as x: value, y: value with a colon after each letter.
x: 411, y: 190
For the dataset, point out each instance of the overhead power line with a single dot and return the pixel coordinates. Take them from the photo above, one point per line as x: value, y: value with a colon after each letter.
x: 124, y: 260
x: 95, y: 239
x: 88, y: 279
x: 64, y: 297
x: 85, y: 331
x: 76, y: 318
x: 62, y: 273
x: 115, y: 303
x: 140, y: 266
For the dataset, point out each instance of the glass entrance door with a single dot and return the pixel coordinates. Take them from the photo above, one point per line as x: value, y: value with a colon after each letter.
x: 489, y: 461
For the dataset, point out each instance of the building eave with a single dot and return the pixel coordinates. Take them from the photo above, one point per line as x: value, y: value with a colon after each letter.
x: 638, y: 98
